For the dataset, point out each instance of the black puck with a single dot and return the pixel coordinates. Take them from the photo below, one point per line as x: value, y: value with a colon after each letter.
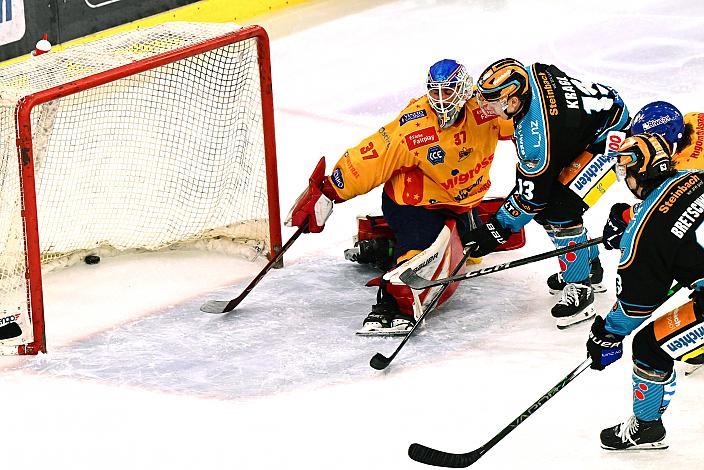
x: 92, y: 259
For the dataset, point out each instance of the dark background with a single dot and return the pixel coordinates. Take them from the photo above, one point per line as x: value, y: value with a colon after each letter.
x: 64, y: 20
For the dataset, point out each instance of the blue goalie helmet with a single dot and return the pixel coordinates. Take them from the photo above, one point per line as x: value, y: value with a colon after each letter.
x: 659, y: 117
x: 449, y: 88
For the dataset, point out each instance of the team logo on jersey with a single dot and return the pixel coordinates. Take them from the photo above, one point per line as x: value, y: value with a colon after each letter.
x: 421, y: 138
x: 436, y: 155
x: 337, y: 178
x: 481, y: 116
x: 411, y: 116
x: 465, y: 152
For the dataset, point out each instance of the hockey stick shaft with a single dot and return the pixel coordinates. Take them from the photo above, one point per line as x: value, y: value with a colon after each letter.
x: 429, y: 456
x: 438, y: 458
x: 219, y: 306
x: 379, y: 361
x: 413, y: 280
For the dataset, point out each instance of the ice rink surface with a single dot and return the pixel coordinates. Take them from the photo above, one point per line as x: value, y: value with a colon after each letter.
x: 138, y: 378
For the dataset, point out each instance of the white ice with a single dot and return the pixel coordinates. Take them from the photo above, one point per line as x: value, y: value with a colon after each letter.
x: 138, y: 378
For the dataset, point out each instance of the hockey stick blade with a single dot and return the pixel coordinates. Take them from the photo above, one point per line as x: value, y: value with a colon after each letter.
x: 215, y: 306
x: 438, y: 458
x: 419, y: 282
x: 414, y: 281
x: 428, y: 456
x: 379, y: 361
x: 224, y: 306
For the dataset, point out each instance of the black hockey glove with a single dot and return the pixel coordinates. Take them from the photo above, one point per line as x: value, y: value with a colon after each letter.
x: 615, y: 226
x: 603, y: 346
x: 486, y: 238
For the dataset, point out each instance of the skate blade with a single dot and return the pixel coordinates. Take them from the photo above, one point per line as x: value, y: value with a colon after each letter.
x: 383, y: 332
x: 598, y: 289
x: 584, y: 315
x: 650, y: 446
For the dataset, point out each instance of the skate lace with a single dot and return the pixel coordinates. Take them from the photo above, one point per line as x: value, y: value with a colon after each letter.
x: 628, y: 429
x: 570, y: 295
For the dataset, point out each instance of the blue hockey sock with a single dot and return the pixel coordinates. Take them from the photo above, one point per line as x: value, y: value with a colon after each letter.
x: 575, y: 265
x: 650, y: 398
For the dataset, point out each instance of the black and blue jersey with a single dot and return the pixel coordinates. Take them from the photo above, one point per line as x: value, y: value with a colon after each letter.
x: 564, y: 118
x: 663, y: 243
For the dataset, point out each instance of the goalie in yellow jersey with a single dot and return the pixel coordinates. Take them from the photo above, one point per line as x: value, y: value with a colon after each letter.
x: 433, y: 160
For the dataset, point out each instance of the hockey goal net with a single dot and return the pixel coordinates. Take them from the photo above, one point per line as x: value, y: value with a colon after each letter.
x: 143, y: 140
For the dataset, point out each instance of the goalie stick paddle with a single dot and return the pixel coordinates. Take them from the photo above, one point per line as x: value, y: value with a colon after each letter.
x: 224, y: 306
x: 414, y: 281
x: 438, y: 458
x: 379, y: 361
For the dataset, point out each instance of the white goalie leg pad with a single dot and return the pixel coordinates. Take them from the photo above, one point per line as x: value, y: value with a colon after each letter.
x: 431, y: 263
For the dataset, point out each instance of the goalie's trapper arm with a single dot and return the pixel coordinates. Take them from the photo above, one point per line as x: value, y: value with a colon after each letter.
x: 414, y: 281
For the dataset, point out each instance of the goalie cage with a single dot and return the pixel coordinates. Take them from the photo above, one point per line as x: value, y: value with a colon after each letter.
x: 143, y: 140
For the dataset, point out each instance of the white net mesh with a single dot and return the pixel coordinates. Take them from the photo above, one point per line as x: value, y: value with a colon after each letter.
x: 168, y: 156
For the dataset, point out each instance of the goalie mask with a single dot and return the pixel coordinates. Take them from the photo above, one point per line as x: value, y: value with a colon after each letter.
x: 449, y: 88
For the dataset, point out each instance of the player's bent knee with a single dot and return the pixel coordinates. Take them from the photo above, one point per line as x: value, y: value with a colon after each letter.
x: 650, y: 362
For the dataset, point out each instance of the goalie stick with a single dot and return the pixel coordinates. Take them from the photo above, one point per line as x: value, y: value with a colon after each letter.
x: 429, y: 456
x: 379, y: 361
x: 224, y: 306
x: 414, y: 281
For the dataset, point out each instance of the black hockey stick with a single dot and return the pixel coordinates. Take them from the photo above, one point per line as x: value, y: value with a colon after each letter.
x: 223, y: 306
x: 438, y: 458
x: 379, y: 361
x: 426, y: 455
x: 414, y: 281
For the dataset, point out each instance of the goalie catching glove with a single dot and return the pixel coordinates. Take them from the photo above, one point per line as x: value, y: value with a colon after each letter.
x: 486, y: 238
x: 312, y: 206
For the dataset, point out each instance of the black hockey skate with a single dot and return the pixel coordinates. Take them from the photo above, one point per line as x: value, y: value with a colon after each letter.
x: 386, y: 320
x: 634, y: 434
x: 596, y: 276
x: 575, y: 305
x: 375, y: 251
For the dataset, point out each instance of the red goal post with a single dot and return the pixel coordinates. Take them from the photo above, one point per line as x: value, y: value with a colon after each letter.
x: 144, y: 140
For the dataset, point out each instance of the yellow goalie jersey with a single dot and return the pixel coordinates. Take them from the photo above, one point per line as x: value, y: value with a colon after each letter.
x: 421, y: 164
x: 689, y: 156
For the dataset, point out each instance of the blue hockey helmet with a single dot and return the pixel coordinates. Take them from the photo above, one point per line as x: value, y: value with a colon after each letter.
x: 659, y: 117
x: 449, y: 88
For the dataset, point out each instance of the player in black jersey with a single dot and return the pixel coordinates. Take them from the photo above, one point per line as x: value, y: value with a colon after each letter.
x: 562, y: 127
x: 663, y: 242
